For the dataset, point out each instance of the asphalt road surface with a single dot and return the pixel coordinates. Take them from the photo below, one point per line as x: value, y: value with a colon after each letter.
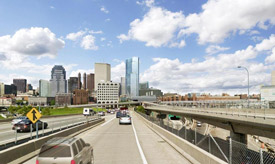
x: 118, y: 144
x: 8, y: 135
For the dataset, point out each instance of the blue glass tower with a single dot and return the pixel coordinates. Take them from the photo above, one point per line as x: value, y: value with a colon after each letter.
x: 132, y: 77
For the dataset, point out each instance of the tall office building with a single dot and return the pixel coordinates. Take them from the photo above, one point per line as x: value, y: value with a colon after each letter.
x: 21, y: 85
x: 132, y: 77
x: 91, y: 82
x: 144, y: 85
x: 58, y: 80
x: 10, y: 89
x: 273, y: 78
x: 72, y: 84
x: 29, y: 87
x: 108, y: 92
x: 44, y: 88
x: 84, y: 81
x: 79, y: 80
x: 122, y: 86
x: 2, y: 89
x: 102, y: 73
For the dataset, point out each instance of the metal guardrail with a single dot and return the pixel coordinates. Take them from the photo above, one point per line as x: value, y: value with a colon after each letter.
x: 53, y: 127
x: 230, y: 151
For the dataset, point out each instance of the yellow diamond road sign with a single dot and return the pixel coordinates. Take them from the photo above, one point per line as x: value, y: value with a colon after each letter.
x: 33, y: 115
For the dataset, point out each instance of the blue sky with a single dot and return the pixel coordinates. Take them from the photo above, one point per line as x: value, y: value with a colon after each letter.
x: 184, y: 45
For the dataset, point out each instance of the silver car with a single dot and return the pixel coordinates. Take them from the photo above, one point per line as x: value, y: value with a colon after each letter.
x: 125, y: 119
x: 61, y: 150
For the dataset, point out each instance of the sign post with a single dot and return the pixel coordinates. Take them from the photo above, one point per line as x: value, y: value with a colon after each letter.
x: 34, y: 116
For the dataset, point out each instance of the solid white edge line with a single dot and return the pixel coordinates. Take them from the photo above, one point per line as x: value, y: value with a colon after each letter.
x: 107, y: 122
x: 139, y: 147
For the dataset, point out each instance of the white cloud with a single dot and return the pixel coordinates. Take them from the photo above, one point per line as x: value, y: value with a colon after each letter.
x: 212, y: 49
x: 74, y: 36
x: 215, y: 74
x: 117, y: 72
x: 52, y: 7
x: 266, y: 44
x: 219, y: 19
x: 103, y: 9
x: 88, y: 43
x: 157, y: 28
x: 95, y: 32
x: 102, y: 39
x: 107, y: 20
x: 35, y: 41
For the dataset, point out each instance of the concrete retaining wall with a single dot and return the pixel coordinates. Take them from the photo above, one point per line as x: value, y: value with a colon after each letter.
x: 198, y: 154
x: 24, y: 149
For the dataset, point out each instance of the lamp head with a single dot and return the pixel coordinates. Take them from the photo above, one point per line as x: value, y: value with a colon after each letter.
x: 239, y: 66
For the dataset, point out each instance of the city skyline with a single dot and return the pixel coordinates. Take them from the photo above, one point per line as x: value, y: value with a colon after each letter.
x: 183, y: 54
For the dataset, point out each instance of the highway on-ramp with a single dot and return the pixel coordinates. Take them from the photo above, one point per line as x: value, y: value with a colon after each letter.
x: 124, y: 144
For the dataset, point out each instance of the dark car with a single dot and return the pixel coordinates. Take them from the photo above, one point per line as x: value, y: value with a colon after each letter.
x: 25, y: 125
x: 118, y: 114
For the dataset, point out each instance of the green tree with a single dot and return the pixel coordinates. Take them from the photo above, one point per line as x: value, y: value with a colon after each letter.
x: 12, y: 109
x: 24, y: 110
x: 52, y: 102
x: 140, y: 109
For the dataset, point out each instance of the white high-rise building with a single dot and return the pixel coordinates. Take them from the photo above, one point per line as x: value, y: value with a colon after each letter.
x: 107, y: 92
x: 273, y: 78
x: 123, y: 86
x: 2, y: 89
x: 58, y: 80
x: 102, y: 73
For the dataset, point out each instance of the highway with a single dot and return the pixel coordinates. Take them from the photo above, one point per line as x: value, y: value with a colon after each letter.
x: 8, y: 135
x: 114, y: 143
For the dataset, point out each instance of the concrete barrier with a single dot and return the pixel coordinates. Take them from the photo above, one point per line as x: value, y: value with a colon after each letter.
x: 190, y: 151
x: 16, y: 152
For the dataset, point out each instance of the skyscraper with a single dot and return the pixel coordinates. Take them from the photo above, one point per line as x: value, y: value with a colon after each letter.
x: 2, y: 89
x: 102, y: 73
x: 58, y: 80
x: 91, y: 82
x: 44, y: 88
x: 123, y: 86
x: 79, y: 80
x: 72, y: 84
x: 132, y: 77
x: 21, y: 85
x: 84, y: 81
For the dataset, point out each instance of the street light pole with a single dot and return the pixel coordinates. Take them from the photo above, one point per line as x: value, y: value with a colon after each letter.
x: 247, y: 83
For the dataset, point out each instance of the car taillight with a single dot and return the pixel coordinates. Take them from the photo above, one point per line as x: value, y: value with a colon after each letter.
x: 25, y: 126
x: 72, y: 161
x: 37, y: 162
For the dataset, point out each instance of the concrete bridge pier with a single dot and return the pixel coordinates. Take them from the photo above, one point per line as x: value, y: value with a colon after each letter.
x: 239, y: 137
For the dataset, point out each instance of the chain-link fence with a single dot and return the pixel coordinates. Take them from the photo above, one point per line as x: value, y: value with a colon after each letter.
x: 230, y: 151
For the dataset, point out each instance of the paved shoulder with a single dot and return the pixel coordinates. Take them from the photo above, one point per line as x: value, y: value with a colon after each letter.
x: 156, y: 150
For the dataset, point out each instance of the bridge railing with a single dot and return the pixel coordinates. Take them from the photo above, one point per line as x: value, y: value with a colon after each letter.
x: 240, y: 112
x: 230, y: 151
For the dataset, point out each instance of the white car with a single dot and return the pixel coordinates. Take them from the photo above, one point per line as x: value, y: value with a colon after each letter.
x: 125, y: 119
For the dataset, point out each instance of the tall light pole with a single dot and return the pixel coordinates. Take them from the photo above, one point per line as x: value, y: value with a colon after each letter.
x: 247, y: 83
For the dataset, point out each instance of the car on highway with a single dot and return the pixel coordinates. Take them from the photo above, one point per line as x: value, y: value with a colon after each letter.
x: 118, y: 113
x: 18, y: 119
x: 125, y: 119
x: 88, y: 112
x: 101, y: 113
x: 25, y: 126
x: 60, y: 150
x: 198, y: 124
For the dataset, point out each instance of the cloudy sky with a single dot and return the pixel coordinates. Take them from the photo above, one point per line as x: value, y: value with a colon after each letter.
x: 184, y: 45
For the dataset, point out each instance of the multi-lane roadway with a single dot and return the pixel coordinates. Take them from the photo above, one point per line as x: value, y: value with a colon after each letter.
x: 136, y: 143
x: 8, y: 135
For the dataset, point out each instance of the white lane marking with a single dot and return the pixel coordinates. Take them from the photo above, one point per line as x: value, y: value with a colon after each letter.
x: 139, y: 147
x: 107, y: 122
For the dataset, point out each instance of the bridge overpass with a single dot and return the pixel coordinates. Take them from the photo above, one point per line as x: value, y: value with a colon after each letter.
x: 105, y: 105
x: 240, y: 122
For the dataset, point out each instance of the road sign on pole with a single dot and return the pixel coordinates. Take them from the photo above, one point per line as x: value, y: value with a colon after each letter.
x: 33, y: 115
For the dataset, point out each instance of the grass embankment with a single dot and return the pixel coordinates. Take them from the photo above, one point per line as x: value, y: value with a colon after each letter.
x: 1, y: 117
x: 67, y: 111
